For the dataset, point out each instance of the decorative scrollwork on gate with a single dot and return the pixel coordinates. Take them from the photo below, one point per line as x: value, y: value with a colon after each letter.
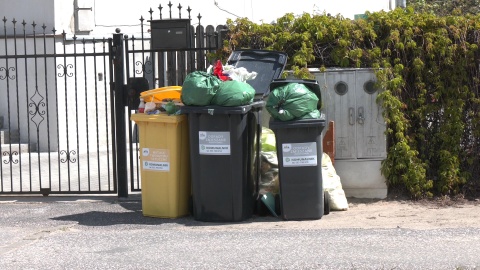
x: 143, y: 65
x: 11, y: 157
x: 65, y: 72
x: 68, y: 156
x: 36, y: 111
x: 7, y: 73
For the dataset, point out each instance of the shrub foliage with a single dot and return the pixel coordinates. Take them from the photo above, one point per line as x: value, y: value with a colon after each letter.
x: 428, y: 69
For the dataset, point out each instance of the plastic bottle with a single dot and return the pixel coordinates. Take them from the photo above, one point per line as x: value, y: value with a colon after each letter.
x: 141, y: 106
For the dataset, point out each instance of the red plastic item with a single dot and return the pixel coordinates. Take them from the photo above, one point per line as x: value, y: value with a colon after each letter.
x: 218, y: 71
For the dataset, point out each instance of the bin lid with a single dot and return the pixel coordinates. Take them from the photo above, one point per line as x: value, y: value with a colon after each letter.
x: 269, y: 65
x: 215, y: 109
x: 312, y: 85
x: 303, y: 123
x: 159, y: 94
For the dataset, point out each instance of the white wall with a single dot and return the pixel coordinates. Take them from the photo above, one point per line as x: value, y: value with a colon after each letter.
x: 40, y: 12
x: 107, y: 15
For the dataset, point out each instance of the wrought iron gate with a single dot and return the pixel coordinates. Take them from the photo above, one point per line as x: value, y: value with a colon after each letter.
x: 65, y: 105
x: 149, y: 68
x: 55, y: 106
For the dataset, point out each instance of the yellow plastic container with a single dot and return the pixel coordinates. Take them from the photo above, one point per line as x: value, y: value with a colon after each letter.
x: 159, y: 94
x: 165, y: 164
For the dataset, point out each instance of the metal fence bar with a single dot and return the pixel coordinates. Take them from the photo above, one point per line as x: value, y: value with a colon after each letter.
x: 18, y: 103
x: 120, y: 115
x: 112, y: 112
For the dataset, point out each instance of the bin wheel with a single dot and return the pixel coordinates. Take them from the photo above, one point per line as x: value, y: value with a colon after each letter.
x: 326, y: 203
x: 261, y: 209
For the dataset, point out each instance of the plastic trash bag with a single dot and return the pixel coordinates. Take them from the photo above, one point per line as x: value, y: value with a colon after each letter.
x: 171, y: 108
x: 269, y: 181
x: 233, y: 93
x: 332, y: 185
x: 199, y: 88
x: 291, y: 101
x: 267, y: 140
x: 315, y: 114
x: 150, y: 107
x: 240, y: 74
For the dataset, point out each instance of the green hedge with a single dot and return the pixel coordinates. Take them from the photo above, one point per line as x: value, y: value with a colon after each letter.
x: 428, y: 68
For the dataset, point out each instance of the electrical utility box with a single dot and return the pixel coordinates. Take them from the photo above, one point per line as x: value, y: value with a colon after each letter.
x: 349, y: 99
x: 170, y: 34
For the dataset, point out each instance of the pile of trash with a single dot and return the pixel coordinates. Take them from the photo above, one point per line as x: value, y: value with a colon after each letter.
x: 293, y: 101
x: 164, y: 99
x: 269, y: 166
x: 224, y: 86
x: 219, y: 85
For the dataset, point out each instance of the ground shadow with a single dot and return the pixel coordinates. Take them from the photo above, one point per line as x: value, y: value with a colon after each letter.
x: 135, y: 217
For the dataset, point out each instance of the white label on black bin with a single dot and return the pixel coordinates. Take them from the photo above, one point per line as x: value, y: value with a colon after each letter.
x: 214, y: 143
x: 299, y: 154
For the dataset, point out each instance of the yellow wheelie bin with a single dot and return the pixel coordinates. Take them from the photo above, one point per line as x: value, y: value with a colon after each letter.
x: 165, y: 164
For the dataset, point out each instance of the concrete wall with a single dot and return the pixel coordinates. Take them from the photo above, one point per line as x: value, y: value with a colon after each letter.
x: 40, y: 12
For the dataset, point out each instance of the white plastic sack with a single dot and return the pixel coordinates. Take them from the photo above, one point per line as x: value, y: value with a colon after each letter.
x: 150, y: 107
x: 333, y: 185
x: 239, y: 74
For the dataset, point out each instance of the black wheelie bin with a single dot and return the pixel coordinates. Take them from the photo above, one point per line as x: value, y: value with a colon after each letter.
x: 299, y: 151
x: 225, y: 145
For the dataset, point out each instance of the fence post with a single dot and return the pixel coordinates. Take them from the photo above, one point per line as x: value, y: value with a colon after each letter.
x: 121, y: 141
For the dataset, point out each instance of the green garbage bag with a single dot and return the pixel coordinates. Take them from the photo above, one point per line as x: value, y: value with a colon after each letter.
x: 315, y: 114
x: 171, y: 108
x: 291, y: 101
x: 233, y: 93
x: 199, y: 88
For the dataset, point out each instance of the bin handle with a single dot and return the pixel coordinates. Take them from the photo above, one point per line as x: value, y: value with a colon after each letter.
x: 361, y: 117
x: 351, y: 118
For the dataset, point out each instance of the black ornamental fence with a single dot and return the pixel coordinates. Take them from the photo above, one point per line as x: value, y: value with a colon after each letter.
x: 66, y: 101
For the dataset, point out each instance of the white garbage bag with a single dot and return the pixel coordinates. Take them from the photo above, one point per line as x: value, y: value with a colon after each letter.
x: 239, y: 74
x: 333, y: 185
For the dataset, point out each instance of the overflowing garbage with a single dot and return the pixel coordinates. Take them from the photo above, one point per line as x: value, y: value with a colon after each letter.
x: 269, y: 167
x: 219, y: 85
x: 294, y: 100
x: 161, y: 100
x: 226, y: 93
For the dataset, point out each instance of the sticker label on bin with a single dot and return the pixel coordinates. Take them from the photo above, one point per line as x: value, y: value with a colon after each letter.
x: 299, y: 154
x: 214, y: 143
x: 156, y: 159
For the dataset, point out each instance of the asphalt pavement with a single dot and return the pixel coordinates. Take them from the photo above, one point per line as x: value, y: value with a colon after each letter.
x: 105, y: 232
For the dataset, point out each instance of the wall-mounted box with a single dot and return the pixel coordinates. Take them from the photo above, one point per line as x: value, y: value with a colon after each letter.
x: 170, y: 34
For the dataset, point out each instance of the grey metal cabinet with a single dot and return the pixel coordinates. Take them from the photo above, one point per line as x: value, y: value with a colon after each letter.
x: 349, y: 99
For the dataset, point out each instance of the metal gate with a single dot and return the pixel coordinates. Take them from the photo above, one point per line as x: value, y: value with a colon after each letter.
x: 55, y: 106
x: 149, y: 68
x: 66, y: 102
